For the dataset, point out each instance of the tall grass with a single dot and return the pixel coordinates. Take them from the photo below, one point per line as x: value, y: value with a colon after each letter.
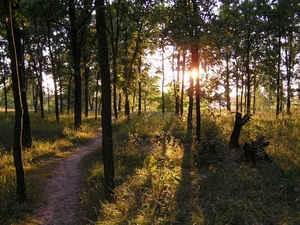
x: 51, y: 143
x: 163, y: 177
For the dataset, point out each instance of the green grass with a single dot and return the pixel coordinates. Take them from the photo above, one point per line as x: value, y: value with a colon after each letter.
x: 52, y: 142
x: 161, y: 178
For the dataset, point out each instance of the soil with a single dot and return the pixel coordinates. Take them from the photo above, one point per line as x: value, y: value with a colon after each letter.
x: 61, y: 193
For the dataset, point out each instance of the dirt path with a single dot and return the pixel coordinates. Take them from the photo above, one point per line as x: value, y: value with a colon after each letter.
x: 62, y: 190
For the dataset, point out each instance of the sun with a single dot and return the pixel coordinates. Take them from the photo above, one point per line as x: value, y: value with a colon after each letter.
x: 194, y: 74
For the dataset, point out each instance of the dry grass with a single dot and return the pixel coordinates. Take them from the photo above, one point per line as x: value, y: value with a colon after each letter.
x: 161, y: 178
x: 52, y: 142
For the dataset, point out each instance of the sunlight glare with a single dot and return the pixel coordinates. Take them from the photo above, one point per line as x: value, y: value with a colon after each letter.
x: 194, y: 74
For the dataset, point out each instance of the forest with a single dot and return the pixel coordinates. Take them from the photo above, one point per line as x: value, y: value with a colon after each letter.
x: 198, y: 102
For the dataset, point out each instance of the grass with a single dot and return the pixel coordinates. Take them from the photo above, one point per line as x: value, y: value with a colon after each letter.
x: 52, y: 142
x: 163, y: 177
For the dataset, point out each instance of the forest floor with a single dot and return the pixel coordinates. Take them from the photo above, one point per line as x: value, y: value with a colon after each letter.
x: 60, y: 199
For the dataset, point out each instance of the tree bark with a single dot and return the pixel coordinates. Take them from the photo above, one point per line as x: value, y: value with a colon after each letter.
x: 182, y: 83
x: 86, y: 87
x: 163, y: 81
x: 19, y: 112
x: 177, y: 86
x: 53, y: 72
x: 195, y: 66
x: 239, y: 123
x: 227, y: 84
x: 107, y: 141
x: 76, y: 52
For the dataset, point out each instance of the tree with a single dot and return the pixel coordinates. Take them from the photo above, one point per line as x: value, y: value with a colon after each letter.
x: 14, y: 40
x: 107, y: 141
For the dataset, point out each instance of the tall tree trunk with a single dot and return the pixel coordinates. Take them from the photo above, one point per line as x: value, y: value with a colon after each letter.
x: 237, y: 86
x: 182, y: 83
x: 278, y: 77
x: 13, y: 36
x: 254, y: 94
x: 195, y: 66
x: 133, y: 100
x: 107, y: 142
x: 69, y: 95
x: 127, y: 106
x: 119, y: 102
x: 140, y: 98
x: 163, y: 81
x: 53, y: 72
x: 76, y: 52
x: 248, y: 104
x: 4, y: 84
x: 177, y: 100
x: 26, y: 136
x: 242, y: 93
x: 288, y: 66
x: 61, y: 95
x: 140, y: 87
x: 48, y: 97
x: 40, y: 85
x: 227, y: 84
x: 86, y: 87
x: 115, y: 92
x: 96, y: 97
x: 5, y: 92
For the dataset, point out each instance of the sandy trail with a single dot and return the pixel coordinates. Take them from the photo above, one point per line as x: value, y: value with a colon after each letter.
x: 63, y: 187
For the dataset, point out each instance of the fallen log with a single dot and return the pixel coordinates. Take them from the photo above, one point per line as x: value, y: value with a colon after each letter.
x: 256, y: 150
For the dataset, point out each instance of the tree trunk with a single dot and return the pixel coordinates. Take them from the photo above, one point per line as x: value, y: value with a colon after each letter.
x: 140, y: 98
x: 288, y: 66
x: 133, y: 100
x: 278, y: 96
x: 127, y: 106
x: 239, y: 123
x: 5, y: 92
x: 119, y: 102
x: 53, y: 72
x: 237, y: 86
x: 195, y: 66
x: 227, y: 84
x: 248, y: 84
x: 182, y: 83
x: 140, y: 88
x: 96, y: 98
x: 61, y: 95
x: 107, y: 141
x: 48, y: 97
x: 4, y: 84
x: 69, y: 95
x: 86, y: 87
x: 242, y: 93
x: 177, y: 87
x: 76, y: 52
x: 163, y: 81
x: 19, y: 112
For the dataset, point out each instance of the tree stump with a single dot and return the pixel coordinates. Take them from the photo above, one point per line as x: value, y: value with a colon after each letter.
x: 239, y: 123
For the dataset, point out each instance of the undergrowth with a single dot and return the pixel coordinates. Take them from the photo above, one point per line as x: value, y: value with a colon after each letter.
x: 51, y: 143
x: 164, y: 177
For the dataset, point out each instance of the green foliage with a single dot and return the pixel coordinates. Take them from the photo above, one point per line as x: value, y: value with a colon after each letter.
x: 52, y: 142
